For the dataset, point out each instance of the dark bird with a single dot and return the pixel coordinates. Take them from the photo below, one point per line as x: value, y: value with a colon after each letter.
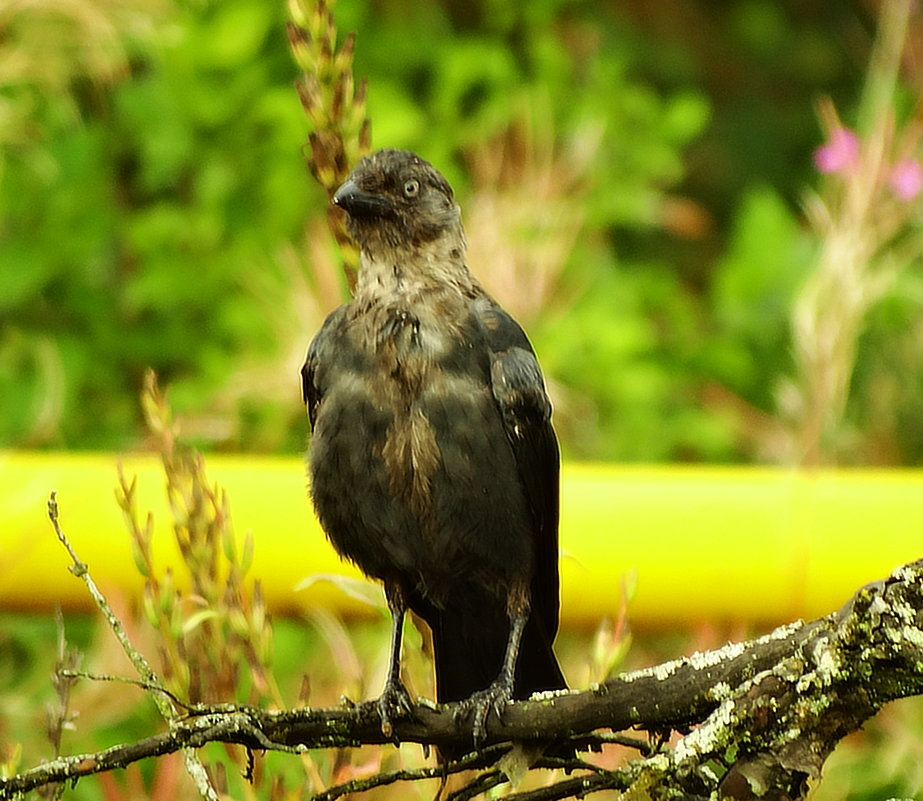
x: 433, y: 463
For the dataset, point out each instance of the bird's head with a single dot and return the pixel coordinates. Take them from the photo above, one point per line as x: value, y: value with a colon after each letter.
x: 396, y: 201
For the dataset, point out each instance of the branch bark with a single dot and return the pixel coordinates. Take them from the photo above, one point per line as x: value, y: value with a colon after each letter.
x: 766, y: 712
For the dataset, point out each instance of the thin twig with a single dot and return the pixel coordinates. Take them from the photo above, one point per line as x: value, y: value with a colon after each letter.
x: 378, y: 780
x: 486, y: 756
x: 577, y: 787
x: 143, y: 685
x: 79, y: 569
x: 480, y: 784
x: 194, y: 766
x: 598, y: 739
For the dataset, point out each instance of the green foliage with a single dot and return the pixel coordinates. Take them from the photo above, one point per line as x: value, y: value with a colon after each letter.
x: 637, y: 364
x: 142, y: 233
x: 146, y: 228
x: 755, y: 283
x: 155, y: 211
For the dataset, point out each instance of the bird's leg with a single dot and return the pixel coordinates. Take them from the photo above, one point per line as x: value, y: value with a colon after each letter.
x: 394, y: 701
x: 495, y: 697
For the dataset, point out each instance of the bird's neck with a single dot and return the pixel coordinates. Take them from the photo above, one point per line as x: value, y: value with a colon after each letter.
x: 437, y: 266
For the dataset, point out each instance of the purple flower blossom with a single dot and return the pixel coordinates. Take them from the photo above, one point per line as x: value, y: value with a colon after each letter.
x: 838, y: 153
x: 906, y: 179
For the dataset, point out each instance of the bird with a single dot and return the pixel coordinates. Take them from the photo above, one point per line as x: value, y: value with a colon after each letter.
x: 433, y: 464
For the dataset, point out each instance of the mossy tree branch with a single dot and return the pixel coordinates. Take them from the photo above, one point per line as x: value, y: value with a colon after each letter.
x: 759, y: 717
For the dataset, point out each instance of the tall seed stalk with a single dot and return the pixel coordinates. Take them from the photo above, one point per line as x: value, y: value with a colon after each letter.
x: 335, y: 105
x: 867, y: 237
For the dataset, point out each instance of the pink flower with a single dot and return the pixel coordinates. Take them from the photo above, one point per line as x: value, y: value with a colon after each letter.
x: 906, y: 179
x: 839, y: 152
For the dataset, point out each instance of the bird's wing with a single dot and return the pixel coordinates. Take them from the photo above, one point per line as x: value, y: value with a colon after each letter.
x: 310, y: 392
x: 519, y: 391
x: 311, y: 383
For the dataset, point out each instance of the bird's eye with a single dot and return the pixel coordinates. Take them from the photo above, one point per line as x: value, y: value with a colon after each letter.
x: 411, y: 188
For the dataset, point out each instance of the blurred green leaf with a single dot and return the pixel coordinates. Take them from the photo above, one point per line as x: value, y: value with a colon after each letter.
x: 235, y: 33
x: 754, y: 287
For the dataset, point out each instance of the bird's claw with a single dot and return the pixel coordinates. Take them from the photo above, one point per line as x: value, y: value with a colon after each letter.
x: 395, y: 702
x: 492, y: 699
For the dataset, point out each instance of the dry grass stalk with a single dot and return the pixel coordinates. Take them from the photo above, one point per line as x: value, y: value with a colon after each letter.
x: 864, y: 218
x: 334, y: 104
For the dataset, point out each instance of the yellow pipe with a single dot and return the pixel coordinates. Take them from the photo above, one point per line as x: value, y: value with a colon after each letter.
x: 748, y: 544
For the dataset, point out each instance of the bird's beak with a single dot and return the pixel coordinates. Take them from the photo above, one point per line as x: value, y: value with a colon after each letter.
x: 358, y: 203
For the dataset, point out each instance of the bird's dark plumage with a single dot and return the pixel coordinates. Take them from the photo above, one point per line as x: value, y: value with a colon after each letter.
x: 433, y: 463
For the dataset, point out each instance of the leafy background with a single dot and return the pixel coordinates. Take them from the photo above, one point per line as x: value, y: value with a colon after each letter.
x: 635, y: 178
x: 632, y: 177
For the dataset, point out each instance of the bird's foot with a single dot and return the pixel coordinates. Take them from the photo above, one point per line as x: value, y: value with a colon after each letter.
x: 481, y: 703
x: 394, y: 703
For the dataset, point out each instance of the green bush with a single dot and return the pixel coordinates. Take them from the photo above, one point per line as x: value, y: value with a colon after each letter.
x: 155, y: 211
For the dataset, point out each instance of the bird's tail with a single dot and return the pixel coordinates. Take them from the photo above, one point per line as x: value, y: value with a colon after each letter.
x: 468, y: 661
x: 469, y: 649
